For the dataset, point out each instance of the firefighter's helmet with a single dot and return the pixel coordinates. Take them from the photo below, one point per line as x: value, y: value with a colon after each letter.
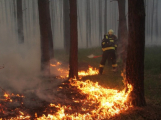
x: 110, y: 32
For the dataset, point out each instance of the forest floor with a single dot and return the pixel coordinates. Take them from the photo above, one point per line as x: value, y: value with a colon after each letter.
x: 37, y: 103
x: 152, y: 81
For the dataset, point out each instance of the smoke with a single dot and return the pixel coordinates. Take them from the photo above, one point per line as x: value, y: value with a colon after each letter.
x: 59, y: 68
x: 21, y: 73
x: 21, y: 65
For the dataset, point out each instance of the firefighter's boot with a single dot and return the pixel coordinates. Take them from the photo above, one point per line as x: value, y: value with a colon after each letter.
x: 100, y: 70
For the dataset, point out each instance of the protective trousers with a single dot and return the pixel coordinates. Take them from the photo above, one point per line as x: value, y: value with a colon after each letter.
x: 111, y: 57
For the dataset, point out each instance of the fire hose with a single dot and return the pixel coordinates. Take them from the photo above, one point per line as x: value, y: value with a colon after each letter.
x: 94, y: 56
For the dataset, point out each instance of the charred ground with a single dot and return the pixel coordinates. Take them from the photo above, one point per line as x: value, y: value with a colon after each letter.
x: 32, y: 103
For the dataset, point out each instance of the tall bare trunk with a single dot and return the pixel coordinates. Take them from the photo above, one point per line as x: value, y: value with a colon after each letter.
x: 105, y: 18
x: 156, y: 19
x: 135, y: 53
x: 73, y: 59
x: 122, y: 31
x: 66, y: 9
x: 45, y: 33
x: 88, y: 26
x: 100, y: 19
x: 152, y: 22
x: 20, y: 21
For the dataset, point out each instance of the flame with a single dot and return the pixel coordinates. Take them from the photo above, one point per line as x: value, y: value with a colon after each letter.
x: 57, y: 64
x: 6, y: 95
x: 90, y: 71
x: 8, y: 98
x: 99, y: 103
x: 64, y: 72
x: 109, y: 102
x: 21, y: 117
x: 105, y: 103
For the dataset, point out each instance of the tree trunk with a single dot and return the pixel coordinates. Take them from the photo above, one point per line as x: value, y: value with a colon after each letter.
x: 50, y: 33
x: 122, y: 31
x: 73, y: 59
x: 105, y: 18
x: 14, y: 8
x: 100, y: 19
x: 88, y: 26
x: 156, y: 19
x: 46, y: 35
x: 135, y: 53
x: 20, y: 21
x: 152, y: 19
x: 66, y: 9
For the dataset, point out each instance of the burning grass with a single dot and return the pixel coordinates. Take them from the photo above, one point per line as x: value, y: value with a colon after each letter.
x: 97, y: 103
x: 83, y: 101
x: 74, y: 100
x: 64, y: 72
x: 78, y: 100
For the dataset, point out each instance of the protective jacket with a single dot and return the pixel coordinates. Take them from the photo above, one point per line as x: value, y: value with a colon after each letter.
x: 109, y: 45
x: 109, y: 42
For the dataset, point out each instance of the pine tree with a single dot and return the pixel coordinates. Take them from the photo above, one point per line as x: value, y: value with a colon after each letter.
x: 135, y: 53
x: 73, y: 59
x: 20, y: 21
x: 45, y: 33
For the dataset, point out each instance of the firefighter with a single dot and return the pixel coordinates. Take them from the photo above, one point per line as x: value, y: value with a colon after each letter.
x: 109, y: 47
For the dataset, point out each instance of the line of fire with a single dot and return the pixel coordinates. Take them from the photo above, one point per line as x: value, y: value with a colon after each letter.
x: 73, y: 84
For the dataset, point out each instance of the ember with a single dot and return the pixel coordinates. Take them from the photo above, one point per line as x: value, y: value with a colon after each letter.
x: 57, y: 64
x: 90, y: 71
x: 102, y: 103
x: 64, y: 72
x: 82, y: 100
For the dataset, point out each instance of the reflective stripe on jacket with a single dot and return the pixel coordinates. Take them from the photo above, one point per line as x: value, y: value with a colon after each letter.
x: 109, y: 42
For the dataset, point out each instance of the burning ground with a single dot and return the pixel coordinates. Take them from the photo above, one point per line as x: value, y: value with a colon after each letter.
x: 59, y: 98
x: 55, y: 97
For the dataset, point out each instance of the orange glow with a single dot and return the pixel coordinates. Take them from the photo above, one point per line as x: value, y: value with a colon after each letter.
x: 64, y: 72
x: 90, y: 71
x: 105, y: 103
x: 98, y: 103
x: 109, y: 103
x: 57, y: 64
x: 6, y: 95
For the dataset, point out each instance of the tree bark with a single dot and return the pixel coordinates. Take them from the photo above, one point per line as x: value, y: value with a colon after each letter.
x: 66, y: 9
x: 46, y: 35
x: 73, y: 59
x: 100, y: 19
x: 20, y: 22
x: 135, y: 53
x: 152, y: 23
x: 50, y: 33
x: 156, y: 19
x: 88, y: 26
x: 105, y: 18
x: 122, y: 31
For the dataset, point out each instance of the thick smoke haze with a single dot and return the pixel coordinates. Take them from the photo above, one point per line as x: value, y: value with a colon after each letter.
x: 8, y: 15
x: 21, y: 72
x: 22, y: 61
